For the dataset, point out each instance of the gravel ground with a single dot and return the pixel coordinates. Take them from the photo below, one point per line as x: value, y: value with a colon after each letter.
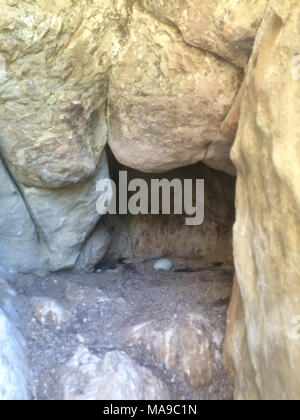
x: 135, y: 293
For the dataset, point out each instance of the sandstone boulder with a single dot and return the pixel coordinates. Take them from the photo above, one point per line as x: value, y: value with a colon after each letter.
x: 167, y: 100
x: 226, y: 28
x: 53, y: 96
x: 266, y: 234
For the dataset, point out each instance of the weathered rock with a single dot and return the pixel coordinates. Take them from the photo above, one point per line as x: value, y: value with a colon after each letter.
x: 42, y: 229
x: 229, y: 126
x: 65, y: 218
x: 53, y: 99
x: 48, y: 312
x: 266, y: 234
x: 53, y: 90
x: 182, y: 347
x: 94, y: 249
x: 56, y: 67
x: 235, y: 329
x: 83, y: 294
x: 167, y: 100
x: 226, y: 28
x: 218, y: 149
x: 195, y: 359
x: 19, y: 247
x: 117, y: 377
x: 15, y: 377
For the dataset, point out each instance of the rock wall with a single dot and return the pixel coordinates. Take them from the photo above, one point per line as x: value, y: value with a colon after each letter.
x: 226, y: 28
x: 167, y: 100
x: 53, y: 95
x: 162, y: 82
x: 264, y: 321
x: 139, y: 74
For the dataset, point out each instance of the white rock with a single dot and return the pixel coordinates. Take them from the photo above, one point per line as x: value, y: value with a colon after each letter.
x: 182, y: 347
x: 163, y: 264
x: 15, y: 377
x: 48, y: 312
x: 118, y: 377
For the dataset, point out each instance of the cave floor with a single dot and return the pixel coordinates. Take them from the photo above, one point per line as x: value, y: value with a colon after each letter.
x: 133, y: 294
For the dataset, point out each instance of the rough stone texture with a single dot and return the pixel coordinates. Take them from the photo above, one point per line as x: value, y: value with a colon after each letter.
x: 235, y: 329
x: 217, y: 150
x: 45, y: 229
x: 230, y: 124
x: 226, y: 28
x: 57, y: 72
x: 53, y: 99
x: 167, y: 100
x: 53, y: 129
x: 117, y: 377
x: 169, y: 105
x: 15, y: 375
x: 48, y: 312
x: 266, y: 234
x: 136, y: 294
x: 65, y: 218
x: 94, y: 249
x: 19, y: 249
x: 182, y: 347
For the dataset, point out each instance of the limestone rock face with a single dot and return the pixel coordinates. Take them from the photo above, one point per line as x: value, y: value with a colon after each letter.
x: 226, y: 28
x: 266, y: 234
x: 117, y: 377
x: 53, y: 96
x: 167, y: 100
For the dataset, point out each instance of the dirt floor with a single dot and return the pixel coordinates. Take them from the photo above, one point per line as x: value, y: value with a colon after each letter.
x: 135, y: 293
